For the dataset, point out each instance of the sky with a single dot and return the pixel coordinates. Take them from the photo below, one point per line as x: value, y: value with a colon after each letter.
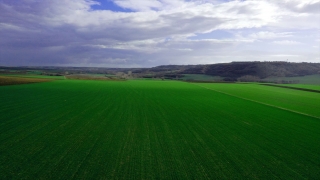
x: 148, y: 33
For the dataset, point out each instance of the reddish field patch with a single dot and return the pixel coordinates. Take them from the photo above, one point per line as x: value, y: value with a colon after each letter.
x: 20, y: 80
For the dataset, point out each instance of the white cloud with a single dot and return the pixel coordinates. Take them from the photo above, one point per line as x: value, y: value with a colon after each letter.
x: 284, y: 55
x: 269, y: 35
x: 287, y: 42
x: 305, y: 6
x: 6, y: 26
x: 157, y: 29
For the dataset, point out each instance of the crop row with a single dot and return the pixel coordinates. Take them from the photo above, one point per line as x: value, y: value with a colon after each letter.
x: 291, y: 99
x: 150, y: 130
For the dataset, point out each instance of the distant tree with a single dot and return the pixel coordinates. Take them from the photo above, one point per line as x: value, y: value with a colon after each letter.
x: 229, y: 79
x: 120, y: 74
x: 248, y: 78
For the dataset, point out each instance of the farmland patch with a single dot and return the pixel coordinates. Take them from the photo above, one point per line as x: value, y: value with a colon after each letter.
x: 76, y: 129
x: 5, y: 80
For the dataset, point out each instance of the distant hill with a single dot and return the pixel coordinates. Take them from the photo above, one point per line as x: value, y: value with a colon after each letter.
x: 258, y: 69
x: 228, y: 71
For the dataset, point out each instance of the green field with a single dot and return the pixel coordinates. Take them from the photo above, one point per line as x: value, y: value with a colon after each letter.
x: 138, y: 129
x: 304, y: 86
x: 95, y: 75
x: 289, y: 99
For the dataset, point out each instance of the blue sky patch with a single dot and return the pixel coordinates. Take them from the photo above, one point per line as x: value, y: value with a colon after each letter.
x: 109, y: 5
x: 217, y: 34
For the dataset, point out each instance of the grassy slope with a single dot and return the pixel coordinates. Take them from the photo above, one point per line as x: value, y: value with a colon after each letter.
x: 149, y: 129
x: 295, y: 100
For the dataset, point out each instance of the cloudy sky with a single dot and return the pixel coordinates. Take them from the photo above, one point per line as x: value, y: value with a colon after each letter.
x: 146, y: 33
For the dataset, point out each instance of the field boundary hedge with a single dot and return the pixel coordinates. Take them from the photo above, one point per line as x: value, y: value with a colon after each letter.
x: 296, y: 88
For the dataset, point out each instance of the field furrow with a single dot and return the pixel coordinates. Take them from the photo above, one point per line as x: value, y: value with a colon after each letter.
x: 141, y: 129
